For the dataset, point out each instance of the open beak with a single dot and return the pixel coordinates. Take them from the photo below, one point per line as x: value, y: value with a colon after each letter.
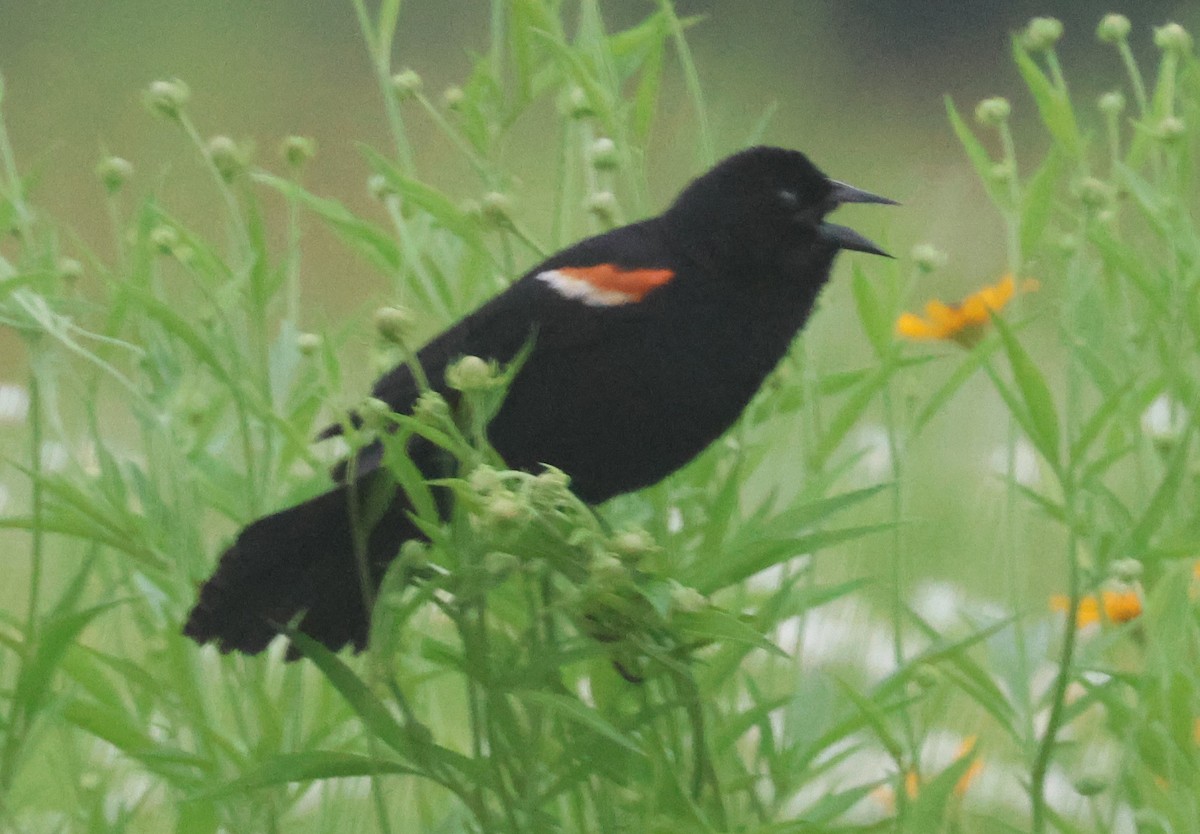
x: 844, y: 237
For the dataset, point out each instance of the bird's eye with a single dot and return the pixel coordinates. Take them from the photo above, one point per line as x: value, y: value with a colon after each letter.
x: 788, y: 198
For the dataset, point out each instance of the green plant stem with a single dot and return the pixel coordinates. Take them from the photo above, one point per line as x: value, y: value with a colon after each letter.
x: 691, y: 80
x: 379, y: 49
x: 1135, y: 77
x: 1058, y: 694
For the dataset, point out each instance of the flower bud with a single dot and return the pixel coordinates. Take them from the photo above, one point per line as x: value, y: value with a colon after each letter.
x: 1091, y: 785
x: 1002, y: 172
x: 69, y: 269
x: 414, y: 554
x: 500, y: 564
x: 607, y: 568
x: 164, y: 238
x: 687, y: 600
x: 452, y: 97
x: 632, y: 544
x: 167, y: 98
x: 375, y: 414
x: 296, y: 150
x: 1170, y: 129
x: 113, y: 171
x: 993, y: 111
x: 1111, y: 103
x: 1042, y: 33
x: 485, y: 479
x: 1173, y: 38
x: 226, y: 156
x: 503, y: 508
x: 431, y: 408
x: 308, y: 343
x: 1094, y: 193
x: 578, y: 106
x: 471, y: 374
x: 603, y: 154
x: 406, y: 84
x: 393, y: 324
x: 928, y: 257
x: 551, y: 487
x: 379, y: 187
x: 1126, y: 571
x: 1113, y: 28
x: 496, y: 208
x: 603, y: 204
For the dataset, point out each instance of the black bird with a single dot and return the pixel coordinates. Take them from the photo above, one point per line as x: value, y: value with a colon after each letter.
x: 645, y: 344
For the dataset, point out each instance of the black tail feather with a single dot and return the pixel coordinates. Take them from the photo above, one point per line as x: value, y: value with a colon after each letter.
x: 298, y: 563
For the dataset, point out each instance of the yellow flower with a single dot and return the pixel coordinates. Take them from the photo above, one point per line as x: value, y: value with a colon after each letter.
x: 1115, y: 606
x: 962, y: 322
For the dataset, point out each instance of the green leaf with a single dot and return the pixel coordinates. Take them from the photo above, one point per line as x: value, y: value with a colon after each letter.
x: 1038, y: 200
x: 570, y: 709
x: 373, y: 243
x: 54, y: 637
x: 980, y: 161
x: 1053, y: 103
x: 374, y: 714
x: 720, y: 626
x: 738, y: 564
x: 1040, y: 415
x: 876, y: 321
x: 286, y: 768
x: 433, y: 202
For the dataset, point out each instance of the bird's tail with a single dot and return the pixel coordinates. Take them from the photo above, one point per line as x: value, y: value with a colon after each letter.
x: 300, y: 566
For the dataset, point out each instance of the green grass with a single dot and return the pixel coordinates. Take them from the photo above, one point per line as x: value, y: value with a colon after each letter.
x: 632, y: 671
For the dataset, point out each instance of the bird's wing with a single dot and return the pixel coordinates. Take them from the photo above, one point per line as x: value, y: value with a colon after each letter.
x: 568, y: 301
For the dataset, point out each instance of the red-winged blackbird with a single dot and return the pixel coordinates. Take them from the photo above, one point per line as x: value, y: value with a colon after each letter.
x: 644, y: 345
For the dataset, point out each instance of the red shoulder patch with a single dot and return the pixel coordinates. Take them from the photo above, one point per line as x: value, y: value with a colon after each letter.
x: 605, y: 285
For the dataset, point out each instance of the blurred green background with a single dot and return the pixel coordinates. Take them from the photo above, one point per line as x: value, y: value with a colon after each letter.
x: 857, y: 85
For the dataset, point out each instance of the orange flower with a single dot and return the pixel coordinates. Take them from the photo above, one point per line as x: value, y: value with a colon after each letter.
x: 885, y: 794
x: 962, y: 322
x: 1116, y: 607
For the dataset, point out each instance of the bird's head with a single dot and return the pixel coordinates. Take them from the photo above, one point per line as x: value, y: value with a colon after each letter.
x: 765, y: 208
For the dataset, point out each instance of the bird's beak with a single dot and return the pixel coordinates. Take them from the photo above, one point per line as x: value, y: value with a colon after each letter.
x: 844, y: 237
